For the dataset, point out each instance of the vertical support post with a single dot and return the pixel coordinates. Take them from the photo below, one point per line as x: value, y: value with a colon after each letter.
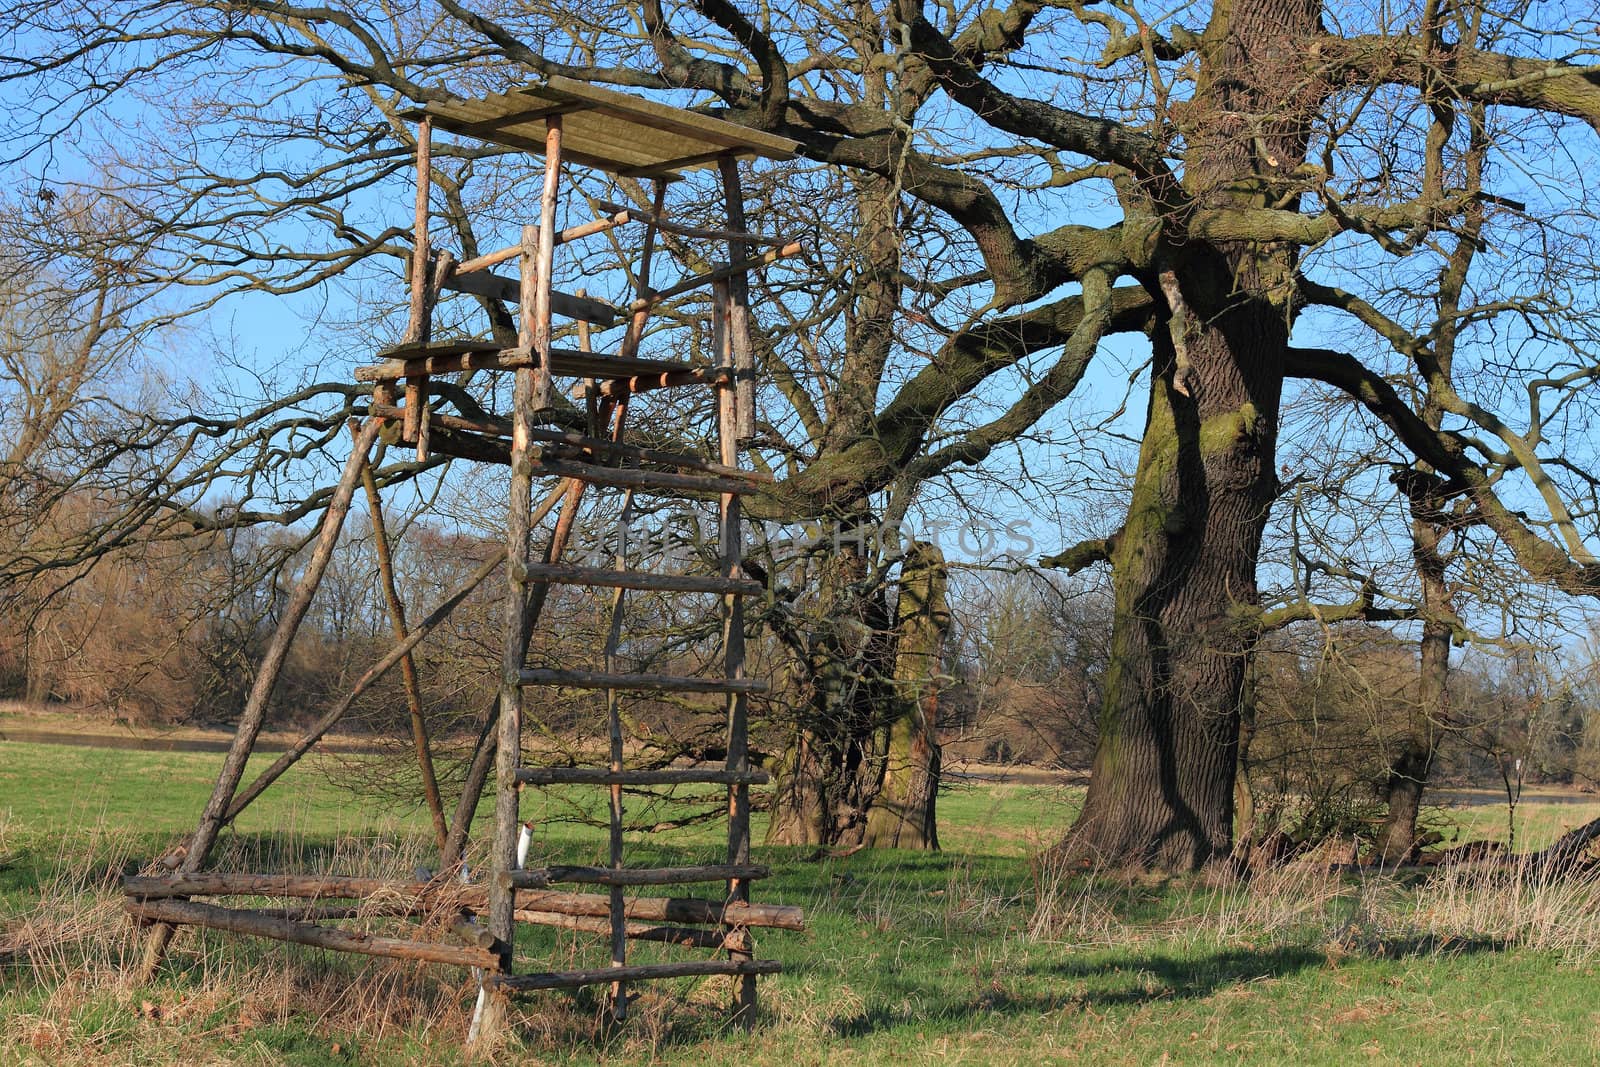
x: 731, y: 551
x: 744, y: 364
x: 619, y: 918
x: 408, y: 666
x: 417, y: 330
x: 591, y: 392
x: 508, y: 742
x: 539, y: 341
x: 255, y: 708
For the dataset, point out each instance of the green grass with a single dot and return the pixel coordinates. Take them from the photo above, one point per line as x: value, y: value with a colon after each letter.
x: 970, y: 955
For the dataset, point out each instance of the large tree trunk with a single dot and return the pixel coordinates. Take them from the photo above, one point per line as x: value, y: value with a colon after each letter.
x: 829, y: 776
x: 1161, y: 791
x: 1409, y: 770
x: 903, y: 813
x: 1161, y: 794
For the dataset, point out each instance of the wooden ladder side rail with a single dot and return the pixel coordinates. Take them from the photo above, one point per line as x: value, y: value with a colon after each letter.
x: 731, y: 552
x: 257, y: 924
x: 524, y: 983
x: 531, y: 394
x: 618, y: 1002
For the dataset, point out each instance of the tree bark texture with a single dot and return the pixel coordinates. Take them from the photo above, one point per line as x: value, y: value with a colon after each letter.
x: 830, y: 774
x: 903, y: 813
x: 1411, y: 765
x: 1187, y: 610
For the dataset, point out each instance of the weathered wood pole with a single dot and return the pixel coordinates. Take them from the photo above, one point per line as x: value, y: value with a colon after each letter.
x: 408, y: 666
x: 744, y: 366
x: 255, y: 709
x: 303, y: 745
x: 731, y: 553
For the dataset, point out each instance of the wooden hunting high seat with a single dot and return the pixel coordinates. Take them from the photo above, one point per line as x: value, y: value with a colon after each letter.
x: 569, y: 122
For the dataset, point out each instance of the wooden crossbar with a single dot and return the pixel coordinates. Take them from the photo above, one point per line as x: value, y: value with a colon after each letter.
x: 660, y: 683
x: 277, y: 928
x: 524, y: 983
x: 664, y: 776
x: 710, y: 872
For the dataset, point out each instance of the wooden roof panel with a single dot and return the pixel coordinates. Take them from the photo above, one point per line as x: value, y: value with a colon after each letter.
x: 601, y: 127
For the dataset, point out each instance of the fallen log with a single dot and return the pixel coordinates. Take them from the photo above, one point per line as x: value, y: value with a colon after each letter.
x: 260, y: 924
x: 438, y: 893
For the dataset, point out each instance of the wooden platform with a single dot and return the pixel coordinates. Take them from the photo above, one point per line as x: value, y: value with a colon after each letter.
x: 604, y: 128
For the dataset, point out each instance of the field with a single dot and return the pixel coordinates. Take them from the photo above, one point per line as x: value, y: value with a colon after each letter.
x: 972, y: 955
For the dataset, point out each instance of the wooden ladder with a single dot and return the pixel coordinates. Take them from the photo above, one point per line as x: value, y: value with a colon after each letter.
x: 727, y: 482
x: 600, y: 457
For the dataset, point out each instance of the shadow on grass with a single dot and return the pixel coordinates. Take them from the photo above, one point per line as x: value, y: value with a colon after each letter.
x: 1131, y: 980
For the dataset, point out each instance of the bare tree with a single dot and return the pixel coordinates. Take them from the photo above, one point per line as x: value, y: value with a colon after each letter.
x: 1228, y: 183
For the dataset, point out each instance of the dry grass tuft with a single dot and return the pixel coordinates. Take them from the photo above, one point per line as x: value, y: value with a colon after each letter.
x: 1309, y: 905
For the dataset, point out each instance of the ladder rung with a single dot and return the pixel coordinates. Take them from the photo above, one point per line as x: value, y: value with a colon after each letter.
x: 495, y: 427
x: 448, y: 357
x: 542, y: 877
x: 522, y: 983
x: 666, y: 683
x: 665, y: 776
x: 671, y: 583
x: 649, y: 455
x: 654, y: 481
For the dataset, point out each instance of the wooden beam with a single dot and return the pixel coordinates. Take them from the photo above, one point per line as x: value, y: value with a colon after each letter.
x: 618, y: 216
x: 443, y: 357
x: 644, y: 972
x: 342, y: 887
x: 251, y: 719
x: 667, y: 226
x: 496, y: 287
x: 629, y: 478
x: 793, y: 248
x: 663, y: 776
x: 656, y: 683
x: 258, y: 924
x: 548, y: 876
x: 408, y: 666
x: 683, y: 936
x: 607, y: 577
